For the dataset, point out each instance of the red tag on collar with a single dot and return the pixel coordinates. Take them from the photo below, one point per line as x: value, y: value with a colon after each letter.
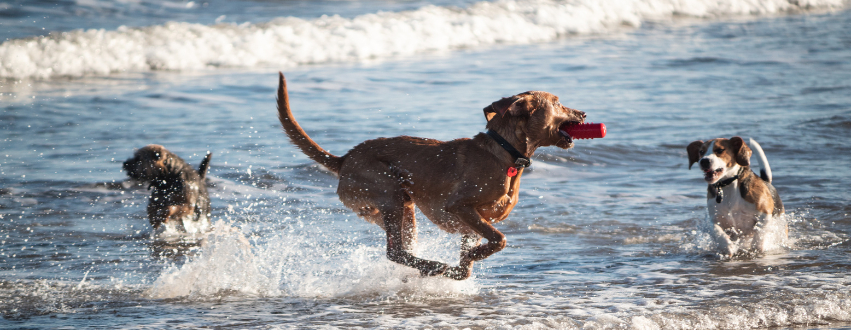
x: 512, y: 171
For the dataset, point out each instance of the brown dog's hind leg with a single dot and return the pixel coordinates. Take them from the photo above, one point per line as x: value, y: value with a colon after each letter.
x: 401, y: 233
x: 409, y: 228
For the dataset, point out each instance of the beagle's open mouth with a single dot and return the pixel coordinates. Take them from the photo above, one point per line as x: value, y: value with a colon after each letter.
x: 713, y: 175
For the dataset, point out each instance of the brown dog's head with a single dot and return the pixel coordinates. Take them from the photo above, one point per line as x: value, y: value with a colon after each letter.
x: 535, y: 115
x: 719, y: 158
x: 149, y: 163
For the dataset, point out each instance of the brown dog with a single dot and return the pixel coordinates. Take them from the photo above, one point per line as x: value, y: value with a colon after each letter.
x: 463, y: 186
x: 179, y: 200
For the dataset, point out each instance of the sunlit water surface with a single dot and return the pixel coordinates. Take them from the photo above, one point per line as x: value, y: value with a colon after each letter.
x: 609, y: 234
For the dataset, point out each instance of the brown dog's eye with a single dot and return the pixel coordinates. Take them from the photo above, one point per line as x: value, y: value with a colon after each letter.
x: 719, y: 150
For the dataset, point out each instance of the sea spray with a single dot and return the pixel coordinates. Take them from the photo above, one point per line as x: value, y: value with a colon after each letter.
x: 296, y: 263
x: 226, y: 263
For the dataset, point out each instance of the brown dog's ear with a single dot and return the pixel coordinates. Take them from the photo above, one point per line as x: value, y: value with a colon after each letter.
x: 489, y: 113
x: 743, y: 152
x: 694, y: 152
x: 499, y: 107
x: 517, y: 105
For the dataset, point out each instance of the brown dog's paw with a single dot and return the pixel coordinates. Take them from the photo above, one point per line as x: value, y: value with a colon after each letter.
x: 433, y: 269
x: 458, y: 273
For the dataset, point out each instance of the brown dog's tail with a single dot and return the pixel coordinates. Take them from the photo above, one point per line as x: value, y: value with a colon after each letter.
x: 205, y: 165
x: 298, y: 136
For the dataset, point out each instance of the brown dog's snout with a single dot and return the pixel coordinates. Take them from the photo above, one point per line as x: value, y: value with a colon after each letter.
x: 578, y: 115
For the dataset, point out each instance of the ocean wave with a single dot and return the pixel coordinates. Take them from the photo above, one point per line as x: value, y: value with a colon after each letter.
x: 290, y: 41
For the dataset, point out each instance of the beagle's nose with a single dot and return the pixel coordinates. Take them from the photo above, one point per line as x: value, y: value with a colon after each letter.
x: 704, y: 163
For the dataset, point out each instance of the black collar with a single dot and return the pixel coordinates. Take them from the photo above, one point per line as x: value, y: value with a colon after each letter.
x: 719, y: 194
x: 519, y: 159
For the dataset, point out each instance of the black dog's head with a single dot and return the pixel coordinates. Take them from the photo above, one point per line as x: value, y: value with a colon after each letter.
x: 148, y: 163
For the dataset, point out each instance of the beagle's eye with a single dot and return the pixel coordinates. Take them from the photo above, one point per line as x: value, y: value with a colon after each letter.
x: 719, y: 150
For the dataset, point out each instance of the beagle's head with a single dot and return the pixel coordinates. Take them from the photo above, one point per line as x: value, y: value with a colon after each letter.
x: 719, y: 158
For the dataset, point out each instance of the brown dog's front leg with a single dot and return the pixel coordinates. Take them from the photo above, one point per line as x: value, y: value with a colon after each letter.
x: 496, y: 240
x: 396, y: 247
x: 465, y: 267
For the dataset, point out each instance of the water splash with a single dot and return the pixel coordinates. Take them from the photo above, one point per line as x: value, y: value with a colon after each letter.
x: 297, y: 264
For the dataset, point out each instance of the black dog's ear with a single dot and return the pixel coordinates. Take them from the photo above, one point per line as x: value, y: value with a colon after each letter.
x: 743, y: 152
x: 694, y: 152
x: 155, y: 151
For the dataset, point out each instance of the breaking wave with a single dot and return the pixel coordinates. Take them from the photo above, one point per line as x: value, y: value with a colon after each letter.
x: 290, y: 41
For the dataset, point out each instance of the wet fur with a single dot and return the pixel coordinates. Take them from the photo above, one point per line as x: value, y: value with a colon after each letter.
x: 179, y: 196
x: 460, y: 185
x: 749, y: 204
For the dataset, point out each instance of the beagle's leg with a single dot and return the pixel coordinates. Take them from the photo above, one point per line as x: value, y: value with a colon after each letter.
x: 726, y: 246
x: 769, y: 232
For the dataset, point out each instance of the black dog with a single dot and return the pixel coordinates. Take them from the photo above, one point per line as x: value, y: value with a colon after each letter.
x: 179, y: 201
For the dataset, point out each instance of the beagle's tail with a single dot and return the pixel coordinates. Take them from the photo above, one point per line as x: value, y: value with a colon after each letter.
x: 297, y: 134
x: 764, y: 168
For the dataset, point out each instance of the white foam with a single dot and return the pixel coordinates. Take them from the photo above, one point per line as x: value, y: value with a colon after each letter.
x: 789, y: 311
x: 226, y: 264
x: 288, y: 42
x: 299, y: 264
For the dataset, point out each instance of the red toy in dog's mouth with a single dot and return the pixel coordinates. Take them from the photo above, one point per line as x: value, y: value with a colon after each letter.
x: 573, y: 130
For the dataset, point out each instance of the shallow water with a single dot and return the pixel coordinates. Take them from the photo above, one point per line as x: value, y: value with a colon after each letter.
x: 609, y: 234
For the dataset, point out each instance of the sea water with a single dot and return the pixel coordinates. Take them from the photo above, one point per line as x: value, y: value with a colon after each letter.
x: 611, y: 234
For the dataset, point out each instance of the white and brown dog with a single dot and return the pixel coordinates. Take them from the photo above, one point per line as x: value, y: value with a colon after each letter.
x: 745, y: 209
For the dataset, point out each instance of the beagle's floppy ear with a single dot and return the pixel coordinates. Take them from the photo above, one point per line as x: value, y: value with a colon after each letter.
x: 743, y: 152
x: 694, y: 152
x: 516, y: 105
